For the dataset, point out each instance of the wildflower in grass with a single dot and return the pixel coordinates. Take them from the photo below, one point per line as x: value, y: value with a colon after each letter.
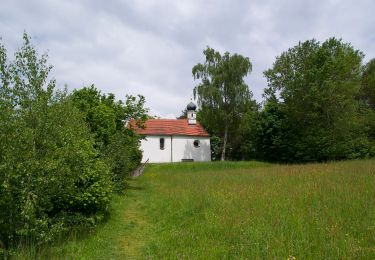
x: 152, y: 174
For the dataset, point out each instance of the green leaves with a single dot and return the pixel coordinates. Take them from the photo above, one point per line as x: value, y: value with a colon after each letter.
x: 367, y: 92
x: 317, y: 85
x: 60, y: 154
x: 46, y: 151
x: 118, y: 146
x: 222, y: 94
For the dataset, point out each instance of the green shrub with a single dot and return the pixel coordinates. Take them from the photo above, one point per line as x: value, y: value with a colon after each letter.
x: 122, y: 155
x: 117, y: 146
x: 50, y: 174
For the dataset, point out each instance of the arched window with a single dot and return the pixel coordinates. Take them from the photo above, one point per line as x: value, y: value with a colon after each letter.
x: 161, y: 143
x: 196, y: 143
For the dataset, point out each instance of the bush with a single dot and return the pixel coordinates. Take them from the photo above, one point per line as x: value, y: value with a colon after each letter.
x: 117, y: 146
x: 50, y: 175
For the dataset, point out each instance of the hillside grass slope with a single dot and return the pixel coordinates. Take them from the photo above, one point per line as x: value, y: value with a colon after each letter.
x: 261, y: 211
x: 239, y: 210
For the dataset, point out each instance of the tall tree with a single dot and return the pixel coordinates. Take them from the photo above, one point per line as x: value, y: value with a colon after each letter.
x: 368, y: 84
x: 367, y: 96
x: 317, y: 83
x: 270, y: 133
x: 222, y: 94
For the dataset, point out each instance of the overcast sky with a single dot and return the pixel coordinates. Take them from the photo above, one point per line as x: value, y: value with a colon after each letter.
x: 149, y: 47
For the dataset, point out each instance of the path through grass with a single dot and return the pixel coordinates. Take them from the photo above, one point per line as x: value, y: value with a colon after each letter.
x: 123, y: 236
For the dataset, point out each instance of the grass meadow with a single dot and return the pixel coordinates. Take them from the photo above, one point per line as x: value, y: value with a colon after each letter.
x: 237, y: 210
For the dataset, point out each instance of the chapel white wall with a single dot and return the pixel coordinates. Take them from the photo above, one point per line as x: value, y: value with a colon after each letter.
x: 182, y: 148
x: 151, y: 149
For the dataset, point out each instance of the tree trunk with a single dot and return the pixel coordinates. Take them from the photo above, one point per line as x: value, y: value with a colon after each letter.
x: 224, y: 143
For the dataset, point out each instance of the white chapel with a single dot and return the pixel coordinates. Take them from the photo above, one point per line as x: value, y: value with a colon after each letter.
x: 175, y: 140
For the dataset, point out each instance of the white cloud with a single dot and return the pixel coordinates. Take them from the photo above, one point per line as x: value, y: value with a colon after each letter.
x: 149, y: 47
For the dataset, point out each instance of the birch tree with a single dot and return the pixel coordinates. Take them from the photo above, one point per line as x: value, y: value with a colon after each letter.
x: 223, y: 96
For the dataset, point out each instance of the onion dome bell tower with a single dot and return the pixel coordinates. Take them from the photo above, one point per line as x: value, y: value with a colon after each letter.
x: 191, y: 113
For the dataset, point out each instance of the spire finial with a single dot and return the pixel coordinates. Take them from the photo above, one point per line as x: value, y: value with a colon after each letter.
x: 191, y: 106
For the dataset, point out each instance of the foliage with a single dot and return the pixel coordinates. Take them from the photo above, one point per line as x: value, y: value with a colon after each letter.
x: 317, y: 85
x: 183, y: 114
x: 368, y: 84
x: 122, y: 155
x: 216, y: 145
x: 367, y: 98
x: 269, y: 133
x: 222, y: 94
x: 106, y: 118
x: 50, y: 175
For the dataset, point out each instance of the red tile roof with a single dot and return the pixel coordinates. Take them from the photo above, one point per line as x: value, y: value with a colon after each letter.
x: 169, y: 127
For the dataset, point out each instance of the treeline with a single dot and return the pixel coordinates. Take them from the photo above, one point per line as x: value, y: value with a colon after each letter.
x: 61, y: 155
x: 319, y: 105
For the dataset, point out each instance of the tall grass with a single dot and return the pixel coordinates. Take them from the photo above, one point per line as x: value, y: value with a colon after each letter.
x: 226, y: 210
x: 237, y: 210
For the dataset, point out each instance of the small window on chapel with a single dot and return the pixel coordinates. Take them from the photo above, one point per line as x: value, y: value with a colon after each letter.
x: 196, y: 143
x: 161, y: 143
